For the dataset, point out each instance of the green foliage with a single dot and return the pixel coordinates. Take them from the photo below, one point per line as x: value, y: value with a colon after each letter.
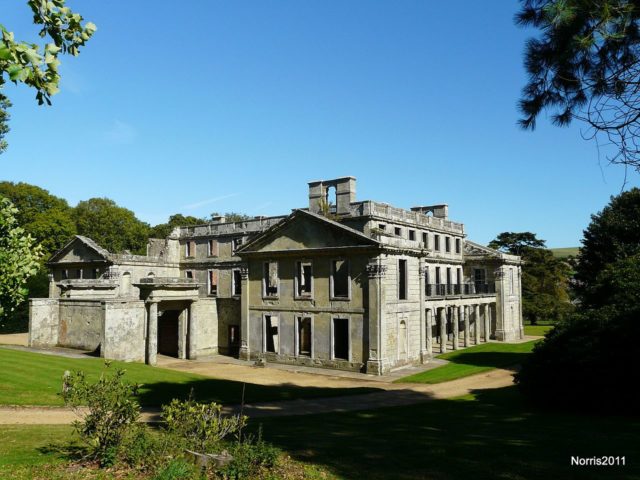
x: 516, y: 243
x: 163, y: 230
x: 177, y: 470
x: 115, y: 228
x: 201, y: 425
x: 584, y: 65
x: 250, y: 457
x: 46, y: 217
x: 112, y: 411
x: 231, y: 217
x: 19, y: 260
x: 37, y: 65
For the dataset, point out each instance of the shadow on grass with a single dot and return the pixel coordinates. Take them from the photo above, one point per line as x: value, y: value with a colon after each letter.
x: 492, y: 434
x: 489, y: 359
x: 230, y: 392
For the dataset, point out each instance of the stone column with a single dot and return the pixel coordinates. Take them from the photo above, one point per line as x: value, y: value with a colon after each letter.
x: 182, y: 333
x: 375, y: 273
x: 423, y: 330
x: 245, y: 351
x: 487, y: 322
x: 443, y: 330
x: 152, y: 333
x: 476, y: 323
x: 429, y: 328
x: 192, y: 335
x: 465, y: 315
x: 454, y: 320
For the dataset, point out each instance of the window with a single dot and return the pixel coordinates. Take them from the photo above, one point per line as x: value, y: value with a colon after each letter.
x: 271, y: 337
x: 65, y: 274
x: 427, y: 287
x: 402, y: 279
x: 438, y: 276
x: 270, y: 279
x: 436, y: 243
x: 447, y: 244
x: 458, y: 245
x: 340, y: 341
x: 79, y: 273
x: 213, y: 282
x: 340, y: 279
x: 304, y: 279
x: 398, y: 231
x: 190, y: 249
x: 189, y: 274
x: 425, y: 239
x: 459, y: 276
x: 95, y: 273
x: 382, y: 226
x: 479, y: 276
x: 449, y: 280
x: 304, y: 337
x: 412, y: 234
x: 213, y: 248
x: 236, y: 243
x: 236, y: 283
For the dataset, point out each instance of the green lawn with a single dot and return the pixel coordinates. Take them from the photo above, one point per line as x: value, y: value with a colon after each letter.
x: 539, y: 330
x: 492, y: 434
x: 28, y: 378
x: 565, y: 252
x: 472, y: 360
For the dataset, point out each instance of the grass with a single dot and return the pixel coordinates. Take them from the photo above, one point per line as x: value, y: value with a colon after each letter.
x: 28, y: 378
x: 565, y: 252
x: 472, y: 360
x: 490, y: 434
x: 538, y: 330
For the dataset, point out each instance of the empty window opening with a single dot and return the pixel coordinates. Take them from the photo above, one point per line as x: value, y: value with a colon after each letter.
x: 213, y: 248
x: 190, y: 249
x: 402, y: 279
x: 398, y: 231
x: 270, y: 279
x: 425, y: 239
x: 189, y: 274
x: 304, y: 279
x: 234, y: 335
x: 340, y: 278
x: 382, y: 226
x: 447, y: 244
x: 65, y: 274
x: 79, y: 273
x: 271, y: 341
x: 449, y: 281
x: 458, y: 245
x: 236, y: 243
x: 213, y: 282
x: 341, y: 338
x: 236, y: 283
x: 332, y: 199
x: 436, y: 242
x: 412, y: 234
x: 304, y: 336
x: 459, y: 275
x: 438, y: 280
x: 479, y: 276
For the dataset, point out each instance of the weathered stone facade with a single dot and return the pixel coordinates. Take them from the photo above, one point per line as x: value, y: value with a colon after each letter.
x: 360, y: 286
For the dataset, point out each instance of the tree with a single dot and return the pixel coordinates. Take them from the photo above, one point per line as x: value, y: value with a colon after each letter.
x: 37, y: 65
x: 46, y: 217
x: 115, y: 228
x: 163, y: 230
x: 232, y: 216
x: 612, y: 235
x: 19, y: 258
x: 515, y: 243
x: 545, y: 278
x: 585, y: 65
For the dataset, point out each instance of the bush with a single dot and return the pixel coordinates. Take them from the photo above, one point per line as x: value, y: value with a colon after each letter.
x: 250, y: 457
x: 113, y: 410
x: 177, y: 470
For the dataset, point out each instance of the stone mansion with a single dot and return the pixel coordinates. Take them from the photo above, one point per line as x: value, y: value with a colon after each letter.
x: 345, y: 284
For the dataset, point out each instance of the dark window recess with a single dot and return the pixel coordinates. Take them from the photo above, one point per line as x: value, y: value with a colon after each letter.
x: 236, y: 243
x: 213, y: 248
x: 305, y: 278
x: 341, y: 338
x: 234, y: 335
x: 412, y: 234
x: 449, y: 281
x: 398, y: 231
x: 447, y: 244
x: 65, y: 274
x: 237, y: 283
x: 213, y: 282
x: 382, y: 226
x: 425, y: 239
x: 271, y: 279
x: 188, y: 274
x: 459, y: 276
x: 438, y: 276
x: 304, y: 336
x: 436, y: 242
x: 458, y: 245
x: 340, y: 269
x: 271, y: 332
x: 402, y: 279
x: 79, y: 273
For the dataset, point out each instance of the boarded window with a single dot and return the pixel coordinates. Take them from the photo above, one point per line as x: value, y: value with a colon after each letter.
x: 213, y: 282
x: 402, y: 279
x: 236, y: 283
x: 304, y: 279
x: 341, y: 338
x: 304, y: 336
x: 340, y: 278
x: 271, y: 341
x: 436, y: 243
x: 213, y: 248
x: 270, y: 279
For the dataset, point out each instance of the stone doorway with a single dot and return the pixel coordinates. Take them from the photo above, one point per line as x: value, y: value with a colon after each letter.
x: 169, y: 332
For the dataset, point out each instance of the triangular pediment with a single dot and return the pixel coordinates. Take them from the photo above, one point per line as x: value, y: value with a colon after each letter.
x: 303, y: 230
x: 80, y: 249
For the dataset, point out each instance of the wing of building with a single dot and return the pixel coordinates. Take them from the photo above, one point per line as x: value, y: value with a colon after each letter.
x: 359, y: 286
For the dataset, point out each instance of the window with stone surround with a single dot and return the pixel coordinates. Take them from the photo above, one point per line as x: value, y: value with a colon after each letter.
x: 412, y: 235
x: 213, y: 248
x: 190, y: 249
x: 236, y: 243
x: 340, y: 279
x: 270, y: 279
x: 304, y: 279
x: 447, y: 244
x: 436, y: 242
x: 271, y: 334
x: 188, y: 275
x: 304, y: 337
x: 425, y: 239
x: 402, y: 279
x: 212, y: 281
x: 458, y: 245
x: 398, y: 231
x: 236, y: 283
x: 340, y: 339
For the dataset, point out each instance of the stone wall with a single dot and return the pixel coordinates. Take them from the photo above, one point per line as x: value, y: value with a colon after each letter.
x: 81, y: 324
x: 122, y: 335
x: 43, y: 322
x: 206, y: 314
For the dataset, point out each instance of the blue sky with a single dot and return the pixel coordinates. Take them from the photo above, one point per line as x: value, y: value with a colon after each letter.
x: 202, y: 106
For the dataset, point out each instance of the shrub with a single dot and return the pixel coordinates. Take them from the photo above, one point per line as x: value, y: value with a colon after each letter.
x: 250, y: 457
x: 112, y: 411
x: 177, y: 470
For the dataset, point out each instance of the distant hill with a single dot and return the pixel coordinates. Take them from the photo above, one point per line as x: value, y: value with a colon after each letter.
x: 565, y: 252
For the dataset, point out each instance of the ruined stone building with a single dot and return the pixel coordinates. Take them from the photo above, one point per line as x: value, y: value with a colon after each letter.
x: 353, y: 285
